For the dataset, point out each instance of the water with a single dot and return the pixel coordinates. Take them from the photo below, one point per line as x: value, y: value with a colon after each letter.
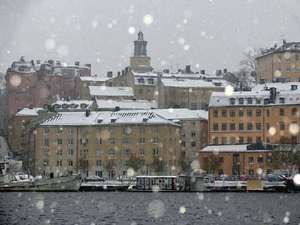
x: 149, y: 208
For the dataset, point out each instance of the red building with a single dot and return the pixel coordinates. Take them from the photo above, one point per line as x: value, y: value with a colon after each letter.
x: 34, y: 84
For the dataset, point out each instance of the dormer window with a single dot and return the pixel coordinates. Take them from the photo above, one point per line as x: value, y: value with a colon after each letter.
x: 141, y: 80
x: 232, y: 101
x: 281, y: 100
x: 249, y: 101
x: 241, y: 101
x: 150, y: 81
x: 258, y: 101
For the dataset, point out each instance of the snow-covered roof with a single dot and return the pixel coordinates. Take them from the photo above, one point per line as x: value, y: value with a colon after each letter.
x: 125, y: 104
x: 105, y: 118
x: 187, y: 83
x: 259, y: 95
x: 72, y: 104
x: 228, y: 148
x: 29, y: 112
x: 146, y: 74
x: 181, y: 113
x: 286, y: 46
x: 110, y: 91
x: 94, y: 78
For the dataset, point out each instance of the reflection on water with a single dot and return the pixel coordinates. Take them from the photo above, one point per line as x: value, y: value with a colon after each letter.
x: 149, y: 208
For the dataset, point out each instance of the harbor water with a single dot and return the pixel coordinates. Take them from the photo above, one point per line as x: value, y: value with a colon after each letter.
x: 91, y: 208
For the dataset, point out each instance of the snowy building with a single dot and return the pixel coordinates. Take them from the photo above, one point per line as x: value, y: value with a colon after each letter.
x: 279, y: 63
x: 267, y: 113
x: 86, y: 81
x: 107, y: 92
x: 186, y: 93
x: 125, y: 104
x: 107, y: 144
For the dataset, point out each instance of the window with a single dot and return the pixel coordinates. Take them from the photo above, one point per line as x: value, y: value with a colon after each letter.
x: 142, y: 140
x: 267, y: 126
x: 193, y: 134
x: 232, y: 140
x: 268, y: 112
x: 282, y: 125
x: 224, y: 126
x: 215, y: 140
x: 71, y: 151
x: 241, y: 140
x: 249, y: 101
x: 281, y: 100
x: 127, y: 152
x: 59, y: 163
x: 249, y: 140
x: 215, y: 113
x: 59, y: 130
x: 99, y: 141
x: 46, y: 141
x: 258, y: 101
x: 260, y: 159
x: 142, y: 152
x: 126, y: 141
x: 155, y: 151
x: 155, y: 140
x: 216, y: 127
x: 232, y: 101
x: 294, y: 112
x: 241, y: 113
x: 241, y: 126
x: 70, y: 163
x: 70, y: 141
x: 59, y: 141
x: 281, y: 112
x: 224, y: 113
x: 150, y: 81
x: 232, y: 113
x: 193, y: 144
x: 249, y: 126
x: 141, y: 80
x: 241, y: 101
x: 258, y: 112
x: 249, y: 113
x: 258, y: 126
x: 232, y: 126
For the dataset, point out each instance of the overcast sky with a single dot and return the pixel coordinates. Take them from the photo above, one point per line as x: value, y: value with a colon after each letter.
x: 208, y: 34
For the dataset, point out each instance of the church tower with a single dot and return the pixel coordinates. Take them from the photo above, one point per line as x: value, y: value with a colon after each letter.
x: 140, y: 62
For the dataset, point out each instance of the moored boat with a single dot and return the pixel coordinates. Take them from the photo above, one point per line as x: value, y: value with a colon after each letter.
x: 99, y: 184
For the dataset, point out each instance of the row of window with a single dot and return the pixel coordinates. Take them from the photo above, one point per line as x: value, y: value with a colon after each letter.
x: 233, y: 127
x: 250, y: 113
x: 236, y: 140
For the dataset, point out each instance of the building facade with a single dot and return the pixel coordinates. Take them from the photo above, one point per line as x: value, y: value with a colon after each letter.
x: 235, y: 160
x: 267, y: 114
x: 280, y: 63
x: 107, y: 144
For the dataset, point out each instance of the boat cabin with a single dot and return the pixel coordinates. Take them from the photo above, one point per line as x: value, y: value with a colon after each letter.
x: 160, y: 183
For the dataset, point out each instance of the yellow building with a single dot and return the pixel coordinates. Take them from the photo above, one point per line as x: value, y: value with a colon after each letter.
x: 107, y: 144
x: 279, y: 63
x: 268, y: 113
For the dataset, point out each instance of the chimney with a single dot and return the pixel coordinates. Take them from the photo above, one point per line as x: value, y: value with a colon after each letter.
x: 87, y: 112
x: 202, y: 72
x: 225, y: 70
x: 123, y: 72
x: 272, y: 94
x: 126, y: 70
x: 109, y: 74
x: 119, y: 73
x: 188, y: 69
x: 77, y: 63
x: 294, y: 87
